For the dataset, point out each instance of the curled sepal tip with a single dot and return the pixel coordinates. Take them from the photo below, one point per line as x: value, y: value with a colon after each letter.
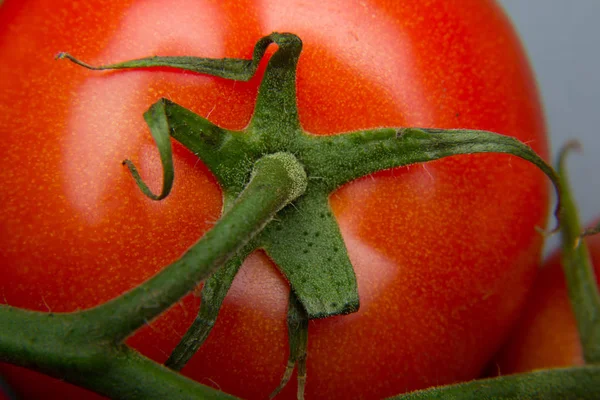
x: 159, y: 128
x: 297, y: 324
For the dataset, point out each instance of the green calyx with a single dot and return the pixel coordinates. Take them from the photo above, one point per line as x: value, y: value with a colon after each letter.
x: 304, y: 240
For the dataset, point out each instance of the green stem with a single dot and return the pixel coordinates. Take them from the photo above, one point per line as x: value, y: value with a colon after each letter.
x: 54, y: 344
x: 277, y: 180
x: 553, y: 384
x: 579, y: 274
x: 151, y: 381
x: 84, y: 347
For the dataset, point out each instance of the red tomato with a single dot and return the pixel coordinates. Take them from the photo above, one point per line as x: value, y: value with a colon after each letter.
x: 444, y: 252
x: 546, y: 335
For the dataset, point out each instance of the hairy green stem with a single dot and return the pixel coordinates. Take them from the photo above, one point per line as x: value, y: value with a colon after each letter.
x: 579, y: 274
x: 84, y: 347
x: 277, y: 180
x: 132, y: 376
x: 56, y: 344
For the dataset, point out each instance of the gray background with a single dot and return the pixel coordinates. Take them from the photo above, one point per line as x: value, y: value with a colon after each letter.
x: 562, y: 39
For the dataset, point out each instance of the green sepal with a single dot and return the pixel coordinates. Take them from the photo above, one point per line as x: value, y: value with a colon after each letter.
x: 306, y: 244
x: 297, y: 325
x: 330, y: 162
x: 228, y: 68
x: 275, y: 120
x: 579, y: 274
x: 212, y: 295
x: 338, y: 159
x: 159, y: 128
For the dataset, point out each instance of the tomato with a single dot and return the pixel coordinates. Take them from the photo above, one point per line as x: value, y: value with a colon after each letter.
x: 546, y: 335
x: 444, y: 252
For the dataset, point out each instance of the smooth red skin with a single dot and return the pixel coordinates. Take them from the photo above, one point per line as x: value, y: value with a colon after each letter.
x: 546, y: 335
x: 444, y: 252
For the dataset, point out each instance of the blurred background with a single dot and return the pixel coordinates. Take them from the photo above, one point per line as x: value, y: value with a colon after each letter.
x: 562, y: 39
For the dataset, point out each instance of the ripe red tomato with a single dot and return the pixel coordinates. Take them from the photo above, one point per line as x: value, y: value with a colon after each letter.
x: 546, y: 335
x: 444, y: 252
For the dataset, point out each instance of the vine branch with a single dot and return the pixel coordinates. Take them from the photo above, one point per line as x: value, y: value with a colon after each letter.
x: 86, y: 347
x: 579, y: 274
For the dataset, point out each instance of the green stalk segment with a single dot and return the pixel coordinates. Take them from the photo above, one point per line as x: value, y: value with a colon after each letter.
x: 579, y: 274
x: 85, y: 347
x: 579, y: 383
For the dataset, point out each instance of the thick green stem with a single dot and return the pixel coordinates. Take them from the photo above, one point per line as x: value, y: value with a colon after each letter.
x: 84, y: 347
x: 132, y: 376
x: 277, y: 180
x: 56, y: 344
x: 579, y: 274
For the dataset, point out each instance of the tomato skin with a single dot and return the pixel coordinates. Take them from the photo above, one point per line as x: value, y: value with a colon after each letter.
x: 444, y: 252
x: 546, y: 335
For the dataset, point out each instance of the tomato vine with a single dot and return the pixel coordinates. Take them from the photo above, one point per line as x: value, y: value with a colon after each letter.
x: 276, y: 179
